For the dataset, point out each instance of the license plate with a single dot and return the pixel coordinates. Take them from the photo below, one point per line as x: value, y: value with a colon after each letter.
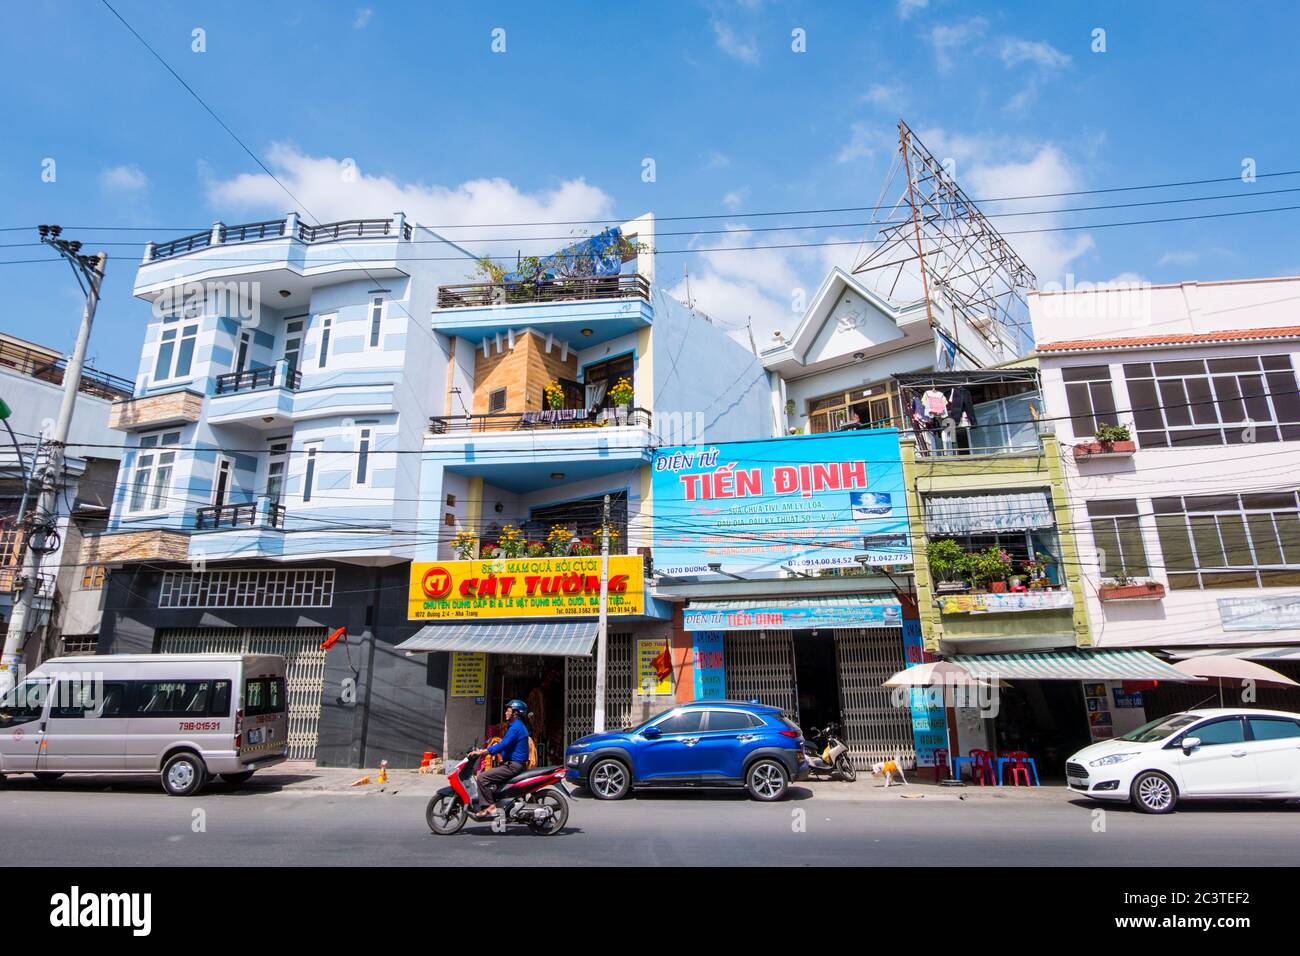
x: 255, y: 736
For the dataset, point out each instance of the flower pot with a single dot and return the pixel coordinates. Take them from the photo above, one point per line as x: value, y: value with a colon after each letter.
x: 1109, y: 449
x: 1145, y: 591
x: 998, y: 587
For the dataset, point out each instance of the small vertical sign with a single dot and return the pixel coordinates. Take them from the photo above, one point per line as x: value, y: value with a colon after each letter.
x: 710, y: 665
x: 929, y: 717
x: 647, y: 677
x: 468, y: 674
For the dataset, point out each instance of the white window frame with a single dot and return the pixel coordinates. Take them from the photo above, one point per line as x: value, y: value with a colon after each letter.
x: 326, y: 334
x: 179, y: 332
x: 375, y: 334
x: 310, y: 453
x: 152, y: 462
x: 300, y: 334
x: 365, y: 466
x: 216, y: 479
x: 243, y: 351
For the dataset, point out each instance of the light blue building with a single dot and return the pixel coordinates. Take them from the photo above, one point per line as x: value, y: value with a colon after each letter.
x: 317, y: 406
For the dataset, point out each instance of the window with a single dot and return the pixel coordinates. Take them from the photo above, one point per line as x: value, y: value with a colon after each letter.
x: 277, y: 458
x: 1273, y: 728
x: 77, y: 698
x: 24, y: 703
x: 601, y: 378
x: 92, y: 577
x: 376, y: 319
x: 685, y: 722
x: 309, y: 477
x: 175, y: 352
x: 729, y: 720
x: 263, y: 695
x: 1214, y: 401
x: 876, y: 405
x: 363, y: 457
x: 1091, y: 401
x: 241, y: 354
x: 188, y: 698
x: 326, y: 328
x: 1230, y: 541
x: 153, y: 471
x: 306, y: 587
x: 1118, y: 536
x: 293, y: 342
x: 497, y: 401
x: 1227, y: 731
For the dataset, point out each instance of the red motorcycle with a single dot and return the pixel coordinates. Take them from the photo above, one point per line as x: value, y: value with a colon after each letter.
x: 533, y: 797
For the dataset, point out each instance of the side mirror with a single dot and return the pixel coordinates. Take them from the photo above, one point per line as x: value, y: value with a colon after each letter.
x: 1190, y: 743
x: 651, y: 733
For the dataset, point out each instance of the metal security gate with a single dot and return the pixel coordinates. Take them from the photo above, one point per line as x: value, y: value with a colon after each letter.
x: 874, y: 727
x: 580, y: 689
x: 304, y: 668
x: 760, y: 666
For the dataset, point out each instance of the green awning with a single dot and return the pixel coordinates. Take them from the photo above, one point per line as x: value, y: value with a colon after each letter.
x: 1072, y: 665
x: 558, y: 639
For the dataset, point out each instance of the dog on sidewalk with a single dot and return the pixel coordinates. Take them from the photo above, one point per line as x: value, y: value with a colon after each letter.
x: 887, y: 769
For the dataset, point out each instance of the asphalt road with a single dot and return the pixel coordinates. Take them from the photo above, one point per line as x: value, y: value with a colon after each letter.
x: 84, y: 823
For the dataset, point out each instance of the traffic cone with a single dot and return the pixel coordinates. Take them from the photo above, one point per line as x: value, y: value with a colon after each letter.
x: 362, y: 782
x: 383, y: 772
x: 426, y: 762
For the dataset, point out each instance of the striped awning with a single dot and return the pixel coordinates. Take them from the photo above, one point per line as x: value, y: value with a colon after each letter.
x: 977, y: 514
x: 1072, y: 665
x: 555, y: 639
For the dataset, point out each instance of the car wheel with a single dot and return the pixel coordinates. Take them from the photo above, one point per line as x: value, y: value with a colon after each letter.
x: 1153, y: 792
x: 46, y: 776
x: 183, y: 775
x: 766, y: 780
x: 844, y: 766
x: 235, y: 779
x: 609, y: 780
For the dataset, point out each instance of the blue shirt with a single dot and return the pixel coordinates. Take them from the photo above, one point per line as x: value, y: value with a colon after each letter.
x: 514, y: 744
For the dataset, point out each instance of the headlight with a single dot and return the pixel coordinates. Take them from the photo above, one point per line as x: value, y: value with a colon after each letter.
x: 1110, y: 759
x: 577, y: 758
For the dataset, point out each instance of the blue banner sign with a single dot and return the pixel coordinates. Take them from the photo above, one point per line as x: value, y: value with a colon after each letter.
x: 710, y: 665
x: 801, y: 503
x: 792, y: 618
x: 929, y: 717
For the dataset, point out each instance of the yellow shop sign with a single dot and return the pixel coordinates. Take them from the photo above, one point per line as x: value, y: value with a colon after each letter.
x: 523, y: 587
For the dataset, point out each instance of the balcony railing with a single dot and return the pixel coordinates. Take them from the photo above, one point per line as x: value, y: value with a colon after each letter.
x: 276, y: 228
x: 38, y: 363
x: 251, y: 380
x: 246, y: 514
x: 546, y: 419
x: 478, y: 294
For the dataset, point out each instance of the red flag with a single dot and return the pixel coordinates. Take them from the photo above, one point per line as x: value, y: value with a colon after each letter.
x: 663, y: 664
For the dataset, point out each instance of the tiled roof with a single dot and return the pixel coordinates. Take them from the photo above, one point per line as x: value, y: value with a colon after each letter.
x: 1173, y: 338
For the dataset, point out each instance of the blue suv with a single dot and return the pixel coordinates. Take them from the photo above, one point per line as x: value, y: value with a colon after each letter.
x: 706, y: 743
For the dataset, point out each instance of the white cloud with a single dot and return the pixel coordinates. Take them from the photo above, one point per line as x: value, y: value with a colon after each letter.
x: 363, y: 18
x: 739, y: 47
x: 124, y: 179
x: 884, y: 95
x: 1179, y: 258
x: 864, y: 142
x: 946, y: 38
x: 716, y: 160
x: 331, y: 189
x: 736, y: 198
x: 908, y: 7
x: 1013, y: 52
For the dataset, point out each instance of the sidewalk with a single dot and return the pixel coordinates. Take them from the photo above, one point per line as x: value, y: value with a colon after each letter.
x: 301, y: 777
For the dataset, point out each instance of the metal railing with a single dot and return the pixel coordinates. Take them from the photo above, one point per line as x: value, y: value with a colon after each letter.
x: 543, y: 420
x: 478, y: 294
x: 245, y: 514
x: 40, y: 364
x: 253, y: 379
x: 276, y: 228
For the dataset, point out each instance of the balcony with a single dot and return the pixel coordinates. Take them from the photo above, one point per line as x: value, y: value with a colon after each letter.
x: 49, y: 366
x: 262, y: 513
x: 478, y: 294
x: 252, y: 380
x: 257, y: 398
x: 156, y: 411
x: 221, y: 234
x: 547, y: 419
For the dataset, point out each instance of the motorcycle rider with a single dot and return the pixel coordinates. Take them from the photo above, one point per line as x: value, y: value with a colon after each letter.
x: 513, y: 748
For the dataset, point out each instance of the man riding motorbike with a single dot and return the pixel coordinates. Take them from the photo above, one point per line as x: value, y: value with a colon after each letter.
x: 513, y: 748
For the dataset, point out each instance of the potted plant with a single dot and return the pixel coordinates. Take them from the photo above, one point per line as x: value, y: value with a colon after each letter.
x: 535, y: 549
x: 1110, y: 441
x: 947, y: 562
x: 557, y: 540
x: 989, y: 567
x: 511, y: 542
x: 463, y: 544
x: 621, y: 395
x: 603, y: 532
x: 554, y: 393
x: 1123, y: 587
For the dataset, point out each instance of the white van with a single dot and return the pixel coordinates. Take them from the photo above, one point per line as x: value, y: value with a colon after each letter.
x: 184, y: 716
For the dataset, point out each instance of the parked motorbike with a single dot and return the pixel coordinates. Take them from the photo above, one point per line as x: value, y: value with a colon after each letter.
x: 827, y: 754
x: 534, y: 798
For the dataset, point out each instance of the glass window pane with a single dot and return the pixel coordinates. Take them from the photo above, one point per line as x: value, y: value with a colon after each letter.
x: 1288, y: 529
x: 163, y: 367
x: 1193, y: 367
x: 1227, y: 390
x: 1236, y: 546
x: 1195, y: 437
x: 1173, y: 398
x: 1250, y: 364
x: 1273, y: 728
x: 1130, y: 542
x: 1264, y: 539
x: 1252, y: 392
x: 1106, y: 538
x: 1230, y: 731
x: 1205, y: 535
x: 1286, y: 401
x: 1086, y: 373
x: 1103, y: 402
x: 1080, y: 402
x: 1201, y: 401
x: 1145, y: 406
x: 185, y: 358
x: 1280, y: 579
x: 1228, y: 580
x: 1174, y: 543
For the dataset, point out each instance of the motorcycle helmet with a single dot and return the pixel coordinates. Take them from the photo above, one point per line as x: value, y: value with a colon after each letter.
x: 518, y: 706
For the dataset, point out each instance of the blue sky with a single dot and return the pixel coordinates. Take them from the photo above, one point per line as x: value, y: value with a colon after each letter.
x: 558, y: 127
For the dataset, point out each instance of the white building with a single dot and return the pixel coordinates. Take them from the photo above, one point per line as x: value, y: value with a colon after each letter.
x: 1201, y: 509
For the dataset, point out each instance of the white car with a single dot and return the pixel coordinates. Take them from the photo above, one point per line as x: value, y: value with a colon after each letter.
x: 1207, y: 753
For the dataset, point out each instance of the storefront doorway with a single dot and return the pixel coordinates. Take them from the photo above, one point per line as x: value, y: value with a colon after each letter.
x: 1047, y: 719
x: 537, y: 680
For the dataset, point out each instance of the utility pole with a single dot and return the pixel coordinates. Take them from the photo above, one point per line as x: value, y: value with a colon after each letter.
x: 89, y: 271
x: 602, y: 636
